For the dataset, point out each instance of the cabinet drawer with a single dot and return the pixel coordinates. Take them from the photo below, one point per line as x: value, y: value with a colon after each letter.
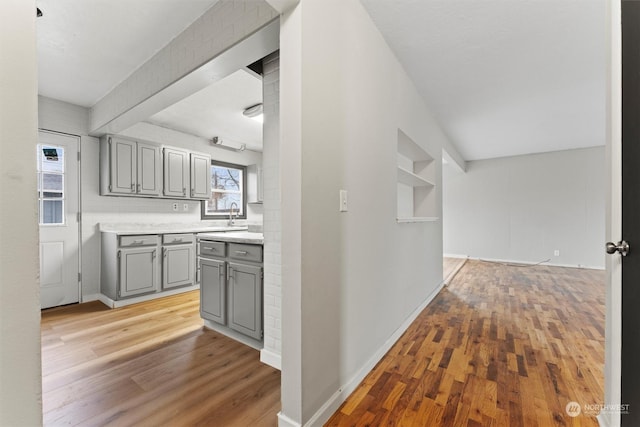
x: 245, y: 252
x: 175, y: 239
x: 143, y: 240
x: 216, y: 249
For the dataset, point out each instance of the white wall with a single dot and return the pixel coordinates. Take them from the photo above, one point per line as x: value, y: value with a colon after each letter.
x: 63, y: 117
x: 20, y: 372
x: 272, y: 218
x: 523, y: 208
x: 343, y: 97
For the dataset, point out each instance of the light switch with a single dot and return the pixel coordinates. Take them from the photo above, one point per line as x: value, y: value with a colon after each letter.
x: 185, y: 207
x: 343, y: 201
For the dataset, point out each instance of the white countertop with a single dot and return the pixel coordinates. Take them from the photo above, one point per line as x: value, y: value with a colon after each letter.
x: 234, y: 237
x: 135, y: 228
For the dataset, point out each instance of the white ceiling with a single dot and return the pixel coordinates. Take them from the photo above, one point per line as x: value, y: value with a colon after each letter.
x: 86, y: 48
x: 504, y: 77
x: 217, y: 111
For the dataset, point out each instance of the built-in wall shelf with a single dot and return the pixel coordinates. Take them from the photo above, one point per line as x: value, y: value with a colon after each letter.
x: 416, y: 178
x: 411, y: 179
x: 417, y: 219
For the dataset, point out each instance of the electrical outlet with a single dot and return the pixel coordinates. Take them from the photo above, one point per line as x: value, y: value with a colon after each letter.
x: 556, y: 252
x: 174, y: 207
x: 185, y: 207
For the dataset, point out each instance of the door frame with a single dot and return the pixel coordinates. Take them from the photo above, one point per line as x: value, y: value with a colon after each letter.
x: 613, y: 216
x: 79, y: 213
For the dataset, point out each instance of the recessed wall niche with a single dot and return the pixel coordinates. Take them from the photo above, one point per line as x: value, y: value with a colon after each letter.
x: 416, y: 182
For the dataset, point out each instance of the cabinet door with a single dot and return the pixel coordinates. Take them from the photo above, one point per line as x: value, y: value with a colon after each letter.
x: 176, y: 172
x: 122, y: 166
x: 149, y: 169
x: 245, y: 299
x: 138, y: 271
x: 213, y: 290
x: 177, y: 266
x: 200, y: 176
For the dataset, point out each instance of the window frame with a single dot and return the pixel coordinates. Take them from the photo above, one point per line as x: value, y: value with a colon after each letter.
x: 217, y: 216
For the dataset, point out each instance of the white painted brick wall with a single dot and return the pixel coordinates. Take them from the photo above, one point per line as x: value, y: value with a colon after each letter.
x: 219, y: 28
x: 271, y: 208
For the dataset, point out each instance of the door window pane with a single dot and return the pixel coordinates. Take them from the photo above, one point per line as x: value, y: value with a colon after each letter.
x: 51, y: 185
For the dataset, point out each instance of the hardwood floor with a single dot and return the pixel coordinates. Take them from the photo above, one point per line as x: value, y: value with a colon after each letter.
x: 500, y: 346
x: 150, y: 364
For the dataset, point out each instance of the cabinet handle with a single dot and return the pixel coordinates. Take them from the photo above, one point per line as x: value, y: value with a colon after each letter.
x: 177, y: 240
x: 242, y: 252
x: 184, y: 191
x: 164, y: 253
x: 133, y: 188
x: 221, y: 270
x: 153, y: 254
x: 138, y: 188
x: 138, y: 242
x: 207, y: 248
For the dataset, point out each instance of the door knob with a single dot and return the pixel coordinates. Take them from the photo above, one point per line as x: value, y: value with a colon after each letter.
x: 622, y: 247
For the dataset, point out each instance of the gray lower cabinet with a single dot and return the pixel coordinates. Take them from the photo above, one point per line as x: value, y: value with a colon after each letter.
x: 134, y: 265
x: 213, y: 295
x: 177, y: 260
x: 245, y: 299
x: 231, y: 281
x: 138, y: 271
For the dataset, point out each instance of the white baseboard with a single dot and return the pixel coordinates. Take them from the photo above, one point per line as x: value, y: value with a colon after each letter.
x: 331, y: 406
x: 455, y: 256
x: 271, y: 358
x: 603, y: 421
x: 550, y: 264
x: 284, y: 421
x: 98, y: 297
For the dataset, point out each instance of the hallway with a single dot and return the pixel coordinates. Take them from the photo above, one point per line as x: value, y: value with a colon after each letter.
x: 500, y: 346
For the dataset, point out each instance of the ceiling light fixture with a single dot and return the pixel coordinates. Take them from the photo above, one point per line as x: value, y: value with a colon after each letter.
x: 254, y: 112
x: 219, y: 143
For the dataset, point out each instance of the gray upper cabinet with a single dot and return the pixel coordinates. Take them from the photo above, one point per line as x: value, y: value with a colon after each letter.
x: 245, y: 299
x: 129, y: 167
x: 213, y: 290
x: 176, y: 172
x: 146, y: 169
x: 149, y: 170
x: 200, y: 176
x: 123, y: 166
x: 254, y: 184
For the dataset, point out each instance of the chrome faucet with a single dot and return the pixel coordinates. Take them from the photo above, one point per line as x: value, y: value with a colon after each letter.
x: 231, y: 217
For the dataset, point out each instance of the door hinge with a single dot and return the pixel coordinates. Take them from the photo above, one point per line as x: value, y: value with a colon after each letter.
x: 79, y: 216
x: 79, y: 277
x: 119, y: 253
x: 110, y: 188
x: 78, y: 156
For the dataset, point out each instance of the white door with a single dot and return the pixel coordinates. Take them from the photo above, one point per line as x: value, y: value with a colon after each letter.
x: 58, y: 218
